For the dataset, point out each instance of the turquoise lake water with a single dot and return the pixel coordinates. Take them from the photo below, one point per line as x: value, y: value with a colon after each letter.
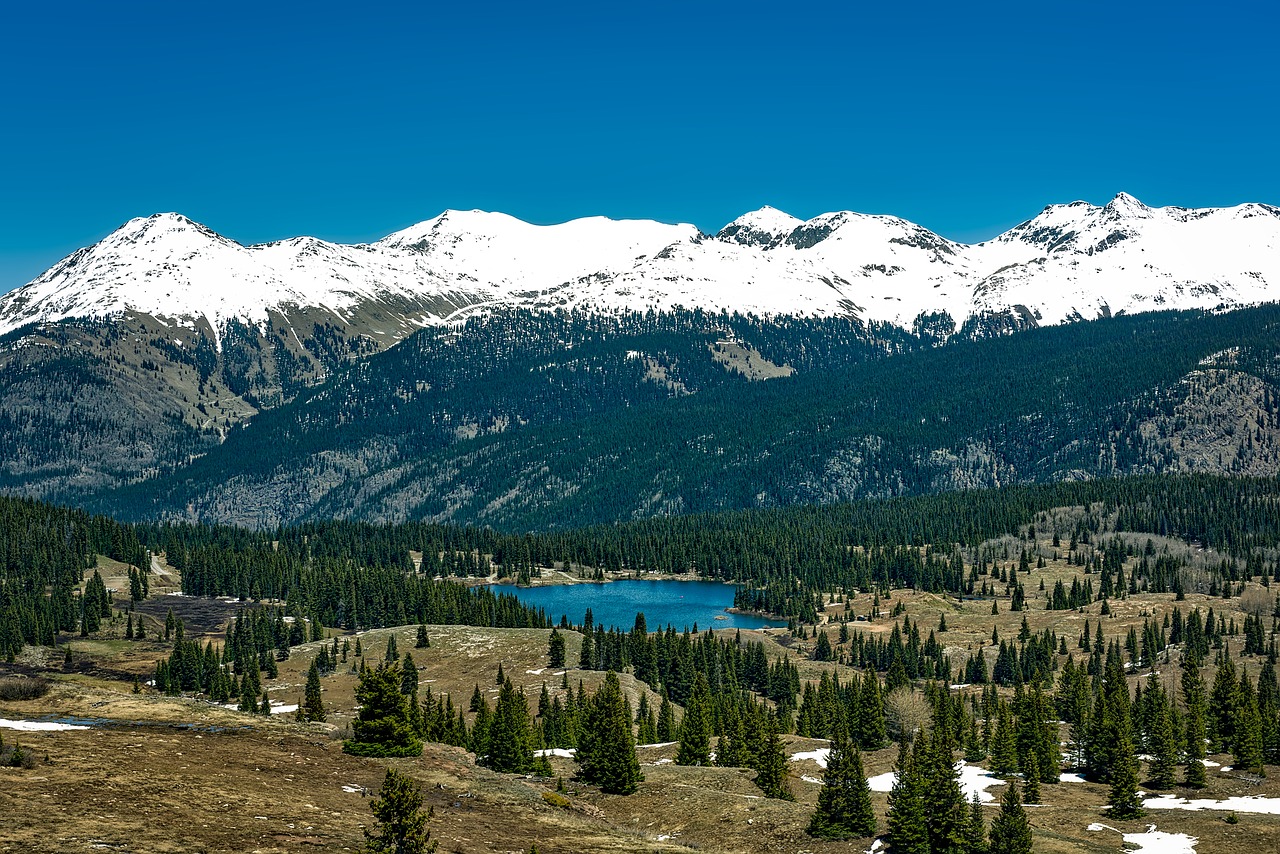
x: 678, y: 603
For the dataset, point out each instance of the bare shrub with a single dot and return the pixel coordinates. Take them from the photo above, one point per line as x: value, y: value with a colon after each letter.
x: 1258, y: 601
x: 23, y: 688
x: 905, y: 712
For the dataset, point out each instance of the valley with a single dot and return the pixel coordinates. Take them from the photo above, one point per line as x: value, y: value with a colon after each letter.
x: 150, y: 760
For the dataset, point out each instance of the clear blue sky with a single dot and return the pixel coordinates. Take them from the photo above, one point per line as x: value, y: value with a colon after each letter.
x: 348, y: 121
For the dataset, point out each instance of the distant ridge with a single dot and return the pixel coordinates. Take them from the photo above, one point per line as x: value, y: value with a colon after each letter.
x: 1070, y: 261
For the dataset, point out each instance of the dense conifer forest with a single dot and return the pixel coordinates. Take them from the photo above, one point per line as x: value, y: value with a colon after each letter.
x: 526, y: 422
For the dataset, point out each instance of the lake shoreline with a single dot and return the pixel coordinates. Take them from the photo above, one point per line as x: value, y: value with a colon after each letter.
x: 679, y: 601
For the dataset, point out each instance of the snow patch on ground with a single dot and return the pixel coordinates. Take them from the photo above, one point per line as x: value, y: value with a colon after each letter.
x: 659, y: 744
x: 875, y: 846
x: 1154, y: 841
x: 1239, y: 803
x: 1070, y: 777
x: 38, y: 726
x: 537, y: 672
x: 973, y: 778
x: 809, y: 779
x: 819, y: 756
x: 563, y: 753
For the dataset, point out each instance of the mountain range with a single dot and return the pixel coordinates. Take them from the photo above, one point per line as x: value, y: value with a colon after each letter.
x: 1069, y: 262
x: 170, y: 371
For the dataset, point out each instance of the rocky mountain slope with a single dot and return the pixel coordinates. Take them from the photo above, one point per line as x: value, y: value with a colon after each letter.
x: 633, y: 421
x: 133, y: 356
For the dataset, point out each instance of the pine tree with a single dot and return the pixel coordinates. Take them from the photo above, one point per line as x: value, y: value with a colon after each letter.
x: 908, y: 825
x: 771, y: 764
x: 975, y: 837
x: 606, y: 754
x: 844, y: 808
x: 666, y: 720
x: 402, y: 825
x: 1193, y: 697
x: 1010, y: 830
x: 555, y: 649
x: 1248, y: 736
x: 1161, y: 740
x: 423, y: 642
x: 382, y: 726
x: 695, y: 727
x: 944, y: 801
x: 1123, y: 802
x: 409, y: 676
x: 312, y: 708
x: 510, y: 740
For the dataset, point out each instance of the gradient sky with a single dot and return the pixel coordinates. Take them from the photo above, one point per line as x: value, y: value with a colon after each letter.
x: 348, y: 121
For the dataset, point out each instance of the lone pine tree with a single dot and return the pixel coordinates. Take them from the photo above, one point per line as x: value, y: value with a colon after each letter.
x: 312, y: 708
x: 382, y: 726
x: 402, y: 825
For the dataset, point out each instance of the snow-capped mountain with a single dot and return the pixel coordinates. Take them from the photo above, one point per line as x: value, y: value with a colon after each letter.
x: 1070, y: 261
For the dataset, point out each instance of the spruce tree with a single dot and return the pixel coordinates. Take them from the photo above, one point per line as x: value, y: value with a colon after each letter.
x: 844, y: 808
x: 382, y: 726
x: 1161, y: 740
x: 312, y: 708
x: 695, y: 727
x: 1123, y: 802
x: 1248, y: 735
x: 908, y: 825
x: 606, y: 754
x: 402, y: 825
x: 510, y: 740
x: 1010, y: 830
x: 975, y: 835
x: 555, y: 649
x: 771, y: 764
x: 944, y: 801
x: 409, y: 676
x: 1193, y: 697
x: 667, y: 730
x: 423, y: 642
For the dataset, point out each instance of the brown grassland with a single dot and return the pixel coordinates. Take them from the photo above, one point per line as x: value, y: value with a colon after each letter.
x: 162, y: 774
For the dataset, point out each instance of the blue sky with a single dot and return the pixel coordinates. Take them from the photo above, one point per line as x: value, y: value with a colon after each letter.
x: 348, y: 121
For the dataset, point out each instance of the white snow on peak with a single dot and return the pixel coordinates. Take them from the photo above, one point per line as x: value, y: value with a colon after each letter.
x: 763, y: 228
x: 1071, y: 261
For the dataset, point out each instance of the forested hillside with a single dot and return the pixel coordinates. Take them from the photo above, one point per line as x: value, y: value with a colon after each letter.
x: 513, y: 424
x: 358, y: 575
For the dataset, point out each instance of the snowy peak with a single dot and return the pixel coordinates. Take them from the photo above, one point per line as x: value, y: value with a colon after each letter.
x: 1071, y: 260
x: 764, y: 228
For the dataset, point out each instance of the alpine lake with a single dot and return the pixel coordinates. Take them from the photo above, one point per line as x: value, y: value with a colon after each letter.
x: 682, y: 604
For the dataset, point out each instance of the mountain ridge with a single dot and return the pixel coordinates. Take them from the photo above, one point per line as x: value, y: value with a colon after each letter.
x: 1070, y: 261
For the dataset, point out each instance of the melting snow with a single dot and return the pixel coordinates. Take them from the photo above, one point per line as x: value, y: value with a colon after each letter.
x: 556, y: 751
x: 973, y: 778
x: 1154, y: 841
x: 38, y: 726
x: 659, y: 744
x: 1239, y: 803
x: 820, y: 756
